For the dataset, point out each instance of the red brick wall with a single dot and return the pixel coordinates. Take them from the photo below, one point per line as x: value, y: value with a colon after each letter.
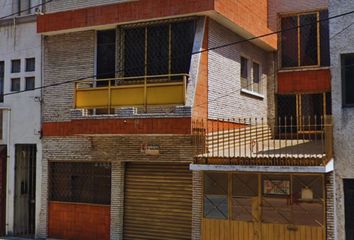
x: 78, y: 221
x: 304, y: 81
x: 119, y: 126
x: 200, y: 109
x: 251, y: 15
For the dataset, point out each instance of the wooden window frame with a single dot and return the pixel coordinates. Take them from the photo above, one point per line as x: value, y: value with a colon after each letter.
x: 317, y: 12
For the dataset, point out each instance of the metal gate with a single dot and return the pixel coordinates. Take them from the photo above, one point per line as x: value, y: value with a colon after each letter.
x: 3, y: 158
x: 25, y: 189
x: 158, y: 201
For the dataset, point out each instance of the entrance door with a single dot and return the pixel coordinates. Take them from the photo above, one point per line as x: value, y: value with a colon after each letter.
x: 3, y: 159
x: 25, y: 189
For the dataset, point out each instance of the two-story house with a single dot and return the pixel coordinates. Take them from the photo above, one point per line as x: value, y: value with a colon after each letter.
x: 270, y: 175
x: 20, y: 105
x: 134, y: 87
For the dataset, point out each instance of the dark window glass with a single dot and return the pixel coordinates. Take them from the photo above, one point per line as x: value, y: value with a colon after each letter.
x: 289, y: 42
x: 30, y: 83
x: 24, y: 7
x: 2, y: 76
x: 308, y: 40
x: 182, y: 46
x: 16, y: 66
x: 256, y: 85
x: 106, y: 54
x: 80, y: 182
x: 347, y: 64
x: 349, y: 208
x: 158, y: 50
x: 15, y: 84
x: 328, y: 103
x: 134, y: 52
x: 30, y: 64
x: 244, y: 67
x: 324, y: 39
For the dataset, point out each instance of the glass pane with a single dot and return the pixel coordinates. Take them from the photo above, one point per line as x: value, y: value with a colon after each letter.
x: 134, y: 52
x: 15, y: 84
x: 256, y: 78
x: 289, y: 42
x: 106, y: 55
x: 276, y: 207
x: 30, y: 83
x: 244, y: 67
x: 324, y: 38
x: 245, y: 205
x: 158, y: 50
x: 348, y: 78
x: 182, y: 46
x: 15, y: 66
x: 30, y: 64
x: 2, y: 75
x: 308, y: 40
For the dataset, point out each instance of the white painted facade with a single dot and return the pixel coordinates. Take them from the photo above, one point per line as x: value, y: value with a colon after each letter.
x: 22, y: 111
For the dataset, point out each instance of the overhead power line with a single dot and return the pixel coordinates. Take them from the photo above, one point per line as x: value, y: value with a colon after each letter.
x: 193, y: 53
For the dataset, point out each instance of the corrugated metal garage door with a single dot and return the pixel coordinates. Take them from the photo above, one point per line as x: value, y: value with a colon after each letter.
x: 158, y: 201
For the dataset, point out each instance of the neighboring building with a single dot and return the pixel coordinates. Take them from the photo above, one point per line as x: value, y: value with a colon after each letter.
x: 342, y: 61
x: 20, y: 161
x: 270, y: 176
x: 118, y: 142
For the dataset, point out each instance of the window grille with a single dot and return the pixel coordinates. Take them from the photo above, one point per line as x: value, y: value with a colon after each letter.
x: 80, y: 182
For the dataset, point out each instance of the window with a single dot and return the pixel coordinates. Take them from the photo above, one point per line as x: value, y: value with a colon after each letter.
x: 106, y: 57
x: 80, y: 182
x: 15, y: 84
x: 24, y: 7
x: 30, y: 64
x: 347, y: 65
x: 307, y: 45
x: 216, y: 195
x: 2, y: 76
x: 16, y: 66
x: 251, y: 84
x: 157, y: 49
x: 349, y: 207
x: 30, y: 83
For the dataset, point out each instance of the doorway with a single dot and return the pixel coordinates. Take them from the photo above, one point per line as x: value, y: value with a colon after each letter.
x: 3, y: 160
x: 25, y: 189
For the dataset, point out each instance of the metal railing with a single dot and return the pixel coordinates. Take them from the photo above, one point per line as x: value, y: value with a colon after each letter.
x: 131, y: 91
x: 258, y: 141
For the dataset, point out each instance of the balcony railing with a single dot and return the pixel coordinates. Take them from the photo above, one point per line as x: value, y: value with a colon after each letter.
x: 283, y: 142
x: 131, y: 91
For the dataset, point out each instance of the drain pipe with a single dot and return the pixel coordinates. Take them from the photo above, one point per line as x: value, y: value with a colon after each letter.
x: 8, y: 131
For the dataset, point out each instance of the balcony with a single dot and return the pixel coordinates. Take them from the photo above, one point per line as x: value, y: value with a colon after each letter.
x: 281, y: 142
x: 142, y: 91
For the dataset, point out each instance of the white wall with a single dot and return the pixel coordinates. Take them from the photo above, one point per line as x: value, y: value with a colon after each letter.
x: 21, y: 42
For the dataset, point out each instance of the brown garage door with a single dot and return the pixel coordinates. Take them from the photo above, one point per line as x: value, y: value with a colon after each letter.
x: 158, y: 201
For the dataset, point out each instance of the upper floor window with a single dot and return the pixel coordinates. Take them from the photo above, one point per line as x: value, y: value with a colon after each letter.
x: 24, y: 7
x: 16, y: 66
x: 250, y: 82
x: 347, y: 65
x: 157, y: 49
x: 305, y: 40
x: 2, y: 78
x: 30, y: 64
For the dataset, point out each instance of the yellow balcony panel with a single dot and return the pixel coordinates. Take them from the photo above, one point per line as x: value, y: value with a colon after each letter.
x: 166, y: 95
x: 127, y: 96
x: 92, y: 98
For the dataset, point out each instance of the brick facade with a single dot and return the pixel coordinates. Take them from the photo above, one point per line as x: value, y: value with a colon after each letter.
x: 67, y: 57
x: 224, y: 77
